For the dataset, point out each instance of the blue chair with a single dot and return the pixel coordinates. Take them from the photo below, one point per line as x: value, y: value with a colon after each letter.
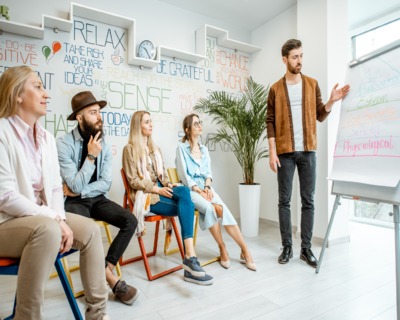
x: 10, y: 267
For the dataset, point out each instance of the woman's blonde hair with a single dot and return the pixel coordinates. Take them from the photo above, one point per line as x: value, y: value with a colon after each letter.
x: 136, y: 137
x: 12, y: 83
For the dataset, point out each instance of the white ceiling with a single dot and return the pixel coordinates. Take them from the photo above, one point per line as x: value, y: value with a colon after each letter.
x: 248, y: 14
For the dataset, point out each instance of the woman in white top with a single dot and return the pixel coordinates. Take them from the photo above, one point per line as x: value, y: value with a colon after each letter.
x: 193, y: 164
x: 33, y: 224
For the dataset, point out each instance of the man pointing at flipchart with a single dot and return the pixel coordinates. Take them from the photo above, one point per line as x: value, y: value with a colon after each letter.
x: 294, y: 106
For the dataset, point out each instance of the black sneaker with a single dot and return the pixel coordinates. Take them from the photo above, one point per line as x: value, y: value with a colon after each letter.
x: 206, y: 280
x: 192, y: 265
x: 126, y: 293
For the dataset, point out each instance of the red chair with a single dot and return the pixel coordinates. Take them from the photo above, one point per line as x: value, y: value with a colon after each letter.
x: 11, y: 266
x: 128, y: 204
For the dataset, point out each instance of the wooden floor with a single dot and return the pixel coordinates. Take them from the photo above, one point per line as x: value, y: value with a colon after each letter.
x: 356, y: 282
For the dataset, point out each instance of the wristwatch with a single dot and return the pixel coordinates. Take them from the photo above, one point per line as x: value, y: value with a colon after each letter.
x: 59, y: 219
x: 91, y: 157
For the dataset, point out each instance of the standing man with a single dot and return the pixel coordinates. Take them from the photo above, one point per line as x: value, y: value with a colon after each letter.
x: 85, y: 162
x: 294, y: 105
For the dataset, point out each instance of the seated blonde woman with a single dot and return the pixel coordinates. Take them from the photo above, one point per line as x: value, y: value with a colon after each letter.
x: 34, y: 226
x: 144, y: 169
x: 194, y: 169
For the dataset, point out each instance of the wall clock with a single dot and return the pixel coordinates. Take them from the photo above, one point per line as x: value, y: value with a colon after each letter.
x: 147, y: 50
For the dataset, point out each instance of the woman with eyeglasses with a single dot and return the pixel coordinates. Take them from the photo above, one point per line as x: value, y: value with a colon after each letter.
x: 193, y: 164
x: 151, y: 191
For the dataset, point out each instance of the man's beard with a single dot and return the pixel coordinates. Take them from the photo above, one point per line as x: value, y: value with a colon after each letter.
x: 90, y: 129
x: 294, y: 70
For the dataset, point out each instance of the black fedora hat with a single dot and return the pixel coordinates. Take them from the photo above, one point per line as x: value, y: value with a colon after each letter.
x: 82, y: 100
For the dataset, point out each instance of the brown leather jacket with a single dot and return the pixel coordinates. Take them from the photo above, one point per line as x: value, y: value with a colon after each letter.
x: 139, y: 183
x: 279, y: 116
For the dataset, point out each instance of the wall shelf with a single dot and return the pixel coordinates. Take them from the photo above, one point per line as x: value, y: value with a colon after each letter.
x: 85, y: 12
x: 57, y: 23
x: 21, y: 29
x: 223, y: 40
x: 182, y: 55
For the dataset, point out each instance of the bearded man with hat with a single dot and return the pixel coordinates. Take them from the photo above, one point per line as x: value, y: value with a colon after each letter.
x: 85, y: 161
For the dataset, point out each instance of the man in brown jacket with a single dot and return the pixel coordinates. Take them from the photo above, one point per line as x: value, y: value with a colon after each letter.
x: 294, y: 105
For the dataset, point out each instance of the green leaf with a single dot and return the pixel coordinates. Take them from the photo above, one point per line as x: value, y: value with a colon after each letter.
x: 241, y: 121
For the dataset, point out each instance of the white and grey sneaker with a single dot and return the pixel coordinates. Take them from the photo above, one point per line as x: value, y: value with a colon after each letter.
x: 192, y: 265
x: 206, y: 280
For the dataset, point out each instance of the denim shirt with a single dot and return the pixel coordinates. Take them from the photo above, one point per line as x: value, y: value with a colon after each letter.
x: 77, y: 178
x: 191, y: 172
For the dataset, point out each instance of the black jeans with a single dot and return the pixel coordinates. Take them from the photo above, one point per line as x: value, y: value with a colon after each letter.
x: 101, y: 208
x: 306, y: 167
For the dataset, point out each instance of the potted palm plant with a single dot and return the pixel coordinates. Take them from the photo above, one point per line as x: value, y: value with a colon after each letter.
x: 241, y: 124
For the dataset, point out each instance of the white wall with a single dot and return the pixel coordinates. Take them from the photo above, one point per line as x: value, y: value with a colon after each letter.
x: 363, y: 12
x: 326, y: 38
x: 163, y: 24
x: 323, y: 26
x: 266, y: 68
x: 309, y: 20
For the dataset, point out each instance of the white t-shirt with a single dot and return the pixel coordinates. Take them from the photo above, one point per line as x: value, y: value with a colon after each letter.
x: 295, y: 96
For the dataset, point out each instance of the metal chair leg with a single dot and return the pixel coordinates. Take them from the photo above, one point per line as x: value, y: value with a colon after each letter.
x: 67, y: 290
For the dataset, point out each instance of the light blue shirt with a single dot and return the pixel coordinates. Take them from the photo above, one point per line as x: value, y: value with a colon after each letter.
x: 191, y: 172
x: 77, y: 178
x: 194, y: 172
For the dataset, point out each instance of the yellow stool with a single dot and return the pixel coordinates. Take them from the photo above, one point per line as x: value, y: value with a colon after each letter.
x: 68, y: 269
x: 174, y: 178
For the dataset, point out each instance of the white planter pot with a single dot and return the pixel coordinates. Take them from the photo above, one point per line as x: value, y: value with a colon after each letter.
x: 249, y: 199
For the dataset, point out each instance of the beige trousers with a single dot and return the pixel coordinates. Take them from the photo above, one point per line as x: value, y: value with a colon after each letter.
x: 36, y: 241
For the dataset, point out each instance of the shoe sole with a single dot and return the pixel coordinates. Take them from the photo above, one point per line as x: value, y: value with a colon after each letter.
x: 193, y: 272
x: 132, y: 300
x: 284, y: 262
x: 305, y: 259
x: 199, y: 282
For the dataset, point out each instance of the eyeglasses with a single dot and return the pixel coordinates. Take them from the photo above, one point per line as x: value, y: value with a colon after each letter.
x: 197, y: 124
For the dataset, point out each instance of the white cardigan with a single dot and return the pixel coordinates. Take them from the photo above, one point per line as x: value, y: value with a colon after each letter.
x: 15, y: 178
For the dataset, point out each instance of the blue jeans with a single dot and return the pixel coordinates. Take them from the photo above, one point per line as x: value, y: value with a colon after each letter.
x: 306, y: 167
x: 179, y: 205
x: 101, y: 208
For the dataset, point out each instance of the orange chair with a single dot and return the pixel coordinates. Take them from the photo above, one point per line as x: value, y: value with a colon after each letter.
x: 154, y: 218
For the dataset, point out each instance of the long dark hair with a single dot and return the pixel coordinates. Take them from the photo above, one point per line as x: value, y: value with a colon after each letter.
x: 187, y: 125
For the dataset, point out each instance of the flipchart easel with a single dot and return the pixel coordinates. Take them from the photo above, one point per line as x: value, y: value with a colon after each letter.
x: 370, y: 117
x: 369, y: 193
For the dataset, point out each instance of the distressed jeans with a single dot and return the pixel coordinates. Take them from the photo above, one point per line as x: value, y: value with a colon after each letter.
x: 306, y: 167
